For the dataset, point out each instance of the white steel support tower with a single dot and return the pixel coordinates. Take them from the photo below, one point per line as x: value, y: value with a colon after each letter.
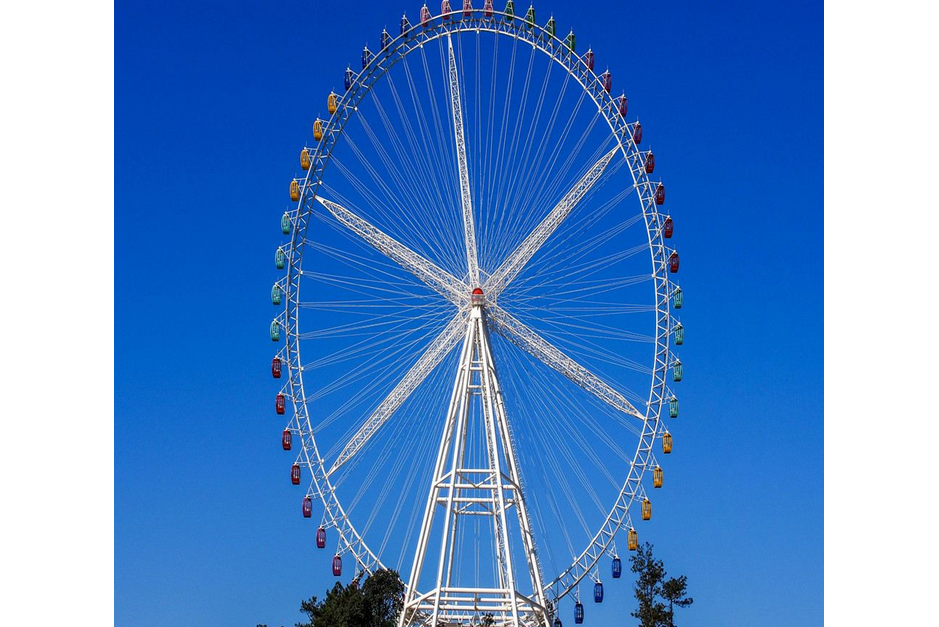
x: 458, y: 490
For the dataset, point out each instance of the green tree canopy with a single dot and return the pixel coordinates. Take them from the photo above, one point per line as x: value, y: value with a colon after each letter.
x: 376, y: 603
x: 657, y: 595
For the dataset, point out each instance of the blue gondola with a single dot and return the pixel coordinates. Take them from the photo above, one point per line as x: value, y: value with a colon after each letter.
x: 578, y: 613
x: 366, y: 57
x: 598, y: 592
x: 385, y: 39
x: 347, y: 81
x: 405, y: 24
x: 617, y: 568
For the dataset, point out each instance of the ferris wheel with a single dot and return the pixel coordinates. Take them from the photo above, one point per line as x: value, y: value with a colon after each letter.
x: 476, y: 320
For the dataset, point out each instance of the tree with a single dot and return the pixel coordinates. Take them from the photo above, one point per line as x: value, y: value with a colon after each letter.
x: 652, y: 585
x: 673, y: 591
x: 377, y: 603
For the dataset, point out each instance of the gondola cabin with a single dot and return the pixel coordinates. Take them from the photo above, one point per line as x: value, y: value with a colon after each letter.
x: 676, y: 370
x: 280, y: 257
x: 607, y: 79
x: 571, y: 41
x: 275, y: 331
x: 275, y: 294
x: 623, y: 105
x: 318, y: 130
x: 467, y: 8
x: 347, y: 78
x: 286, y: 439
x: 558, y: 623
x: 589, y: 59
x: 677, y: 298
x: 578, y: 613
x: 280, y: 404
x: 294, y: 191
x: 657, y: 477
x: 295, y: 474
x: 646, y: 509
x: 487, y: 8
x: 668, y: 228
x: 551, y: 26
x: 385, y: 39
x: 617, y: 568
x: 660, y: 194
x: 425, y: 16
x: 598, y: 592
x: 679, y: 335
x: 445, y: 10
x: 637, y: 134
x: 307, y: 507
x: 673, y: 262
x: 405, y: 24
x: 667, y: 443
x: 509, y: 11
x: 650, y: 163
x: 366, y: 57
x: 530, y: 17
x: 632, y: 540
x: 337, y: 566
x: 673, y: 407
x: 321, y: 538
x: 285, y: 224
x: 275, y: 367
x: 332, y: 103
x: 305, y: 159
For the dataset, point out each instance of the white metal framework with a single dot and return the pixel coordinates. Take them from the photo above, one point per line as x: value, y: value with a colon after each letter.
x: 476, y: 472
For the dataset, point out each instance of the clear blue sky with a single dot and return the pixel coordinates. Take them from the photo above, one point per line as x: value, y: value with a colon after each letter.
x: 213, y: 101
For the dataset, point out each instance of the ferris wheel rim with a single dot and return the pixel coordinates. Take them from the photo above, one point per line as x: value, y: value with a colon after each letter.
x: 350, y: 540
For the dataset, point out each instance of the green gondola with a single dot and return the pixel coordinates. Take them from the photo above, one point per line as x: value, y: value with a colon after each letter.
x: 571, y: 41
x: 677, y: 298
x: 275, y: 331
x: 679, y: 335
x: 530, y: 17
x: 285, y: 224
x: 676, y: 370
x: 673, y: 407
x: 275, y: 294
x: 551, y: 26
x: 280, y: 258
x: 509, y: 11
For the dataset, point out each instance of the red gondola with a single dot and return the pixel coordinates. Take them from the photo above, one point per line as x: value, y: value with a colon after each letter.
x: 660, y: 194
x: 637, y: 134
x: 623, y: 105
x: 650, y: 163
x: 667, y: 228
x: 280, y: 403
x: 487, y: 8
x: 275, y: 367
x: 607, y: 79
x: 307, y: 507
x: 467, y: 8
x: 673, y: 263
x: 589, y: 59
x: 337, y: 566
x: 425, y: 16
x: 445, y: 9
x: 285, y: 439
x: 321, y: 538
x: 295, y: 474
